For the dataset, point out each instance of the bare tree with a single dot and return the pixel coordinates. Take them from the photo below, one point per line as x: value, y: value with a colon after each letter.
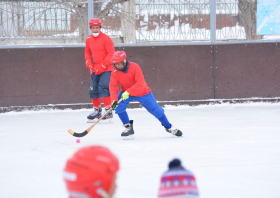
x: 101, y: 9
x: 248, y: 10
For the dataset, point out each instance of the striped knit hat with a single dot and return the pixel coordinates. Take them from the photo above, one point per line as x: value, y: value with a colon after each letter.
x: 177, y: 182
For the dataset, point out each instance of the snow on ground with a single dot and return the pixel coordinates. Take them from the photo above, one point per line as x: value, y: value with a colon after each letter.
x: 232, y: 149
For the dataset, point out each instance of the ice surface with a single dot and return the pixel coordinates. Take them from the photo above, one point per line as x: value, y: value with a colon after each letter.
x: 233, y: 150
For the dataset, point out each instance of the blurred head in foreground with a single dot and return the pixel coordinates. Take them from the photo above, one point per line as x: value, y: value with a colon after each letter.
x: 91, y: 173
x: 177, y: 182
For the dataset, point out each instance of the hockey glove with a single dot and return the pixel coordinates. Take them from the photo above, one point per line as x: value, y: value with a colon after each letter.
x: 125, y: 95
x: 89, y: 64
x: 114, y: 104
x: 99, y: 69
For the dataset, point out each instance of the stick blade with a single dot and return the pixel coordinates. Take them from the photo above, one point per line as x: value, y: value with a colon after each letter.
x: 78, y: 134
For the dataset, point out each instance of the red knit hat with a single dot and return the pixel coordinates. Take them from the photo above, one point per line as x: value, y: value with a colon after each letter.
x: 90, y: 172
x: 177, y: 182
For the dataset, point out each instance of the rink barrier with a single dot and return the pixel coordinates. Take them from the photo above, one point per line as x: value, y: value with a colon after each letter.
x: 39, y: 76
x: 134, y: 105
x: 145, y: 44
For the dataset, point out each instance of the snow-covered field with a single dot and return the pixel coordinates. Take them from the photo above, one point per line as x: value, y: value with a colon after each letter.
x: 232, y: 149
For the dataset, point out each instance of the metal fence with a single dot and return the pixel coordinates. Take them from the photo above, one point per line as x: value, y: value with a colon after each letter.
x: 52, y: 21
x: 173, y: 21
x: 229, y: 22
x: 24, y: 22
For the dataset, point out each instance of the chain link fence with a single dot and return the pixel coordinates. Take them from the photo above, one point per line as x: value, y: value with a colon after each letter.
x: 125, y: 21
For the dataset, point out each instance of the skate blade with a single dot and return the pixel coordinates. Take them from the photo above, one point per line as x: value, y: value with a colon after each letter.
x: 130, y: 137
x: 92, y: 121
x: 173, y: 135
x: 107, y: 121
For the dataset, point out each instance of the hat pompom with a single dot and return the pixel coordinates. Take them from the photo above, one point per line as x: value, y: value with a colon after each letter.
x: 174, y: 163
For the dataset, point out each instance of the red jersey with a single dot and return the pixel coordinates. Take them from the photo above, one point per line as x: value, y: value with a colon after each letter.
x: 101, y: 49
x: 131, y: 80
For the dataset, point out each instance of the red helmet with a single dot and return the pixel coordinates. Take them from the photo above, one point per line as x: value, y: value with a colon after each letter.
x: 95, y: 22
x: 119, y: 57
x: 90, y: 170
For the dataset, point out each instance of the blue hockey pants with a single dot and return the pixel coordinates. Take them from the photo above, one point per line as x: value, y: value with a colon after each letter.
x: 148, y: 101
x: 100, y: 85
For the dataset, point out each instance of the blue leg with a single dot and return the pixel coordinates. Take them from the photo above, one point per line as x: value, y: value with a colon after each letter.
x: 164, y: 121
x: 103, y: 86
x: 124, y: 117
x: 150, y: 103
x: 121, y: 109
x: 94, y: 82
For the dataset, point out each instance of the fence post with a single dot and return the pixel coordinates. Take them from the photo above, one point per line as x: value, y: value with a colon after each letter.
x: 128, y: 21
x: 90, y: 13
x: 213, y: 21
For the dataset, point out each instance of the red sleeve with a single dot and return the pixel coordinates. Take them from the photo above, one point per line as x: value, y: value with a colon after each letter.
x: 109, y: 46
x: 113, y: 86
x: 87, y: 50
x: 140, y: 82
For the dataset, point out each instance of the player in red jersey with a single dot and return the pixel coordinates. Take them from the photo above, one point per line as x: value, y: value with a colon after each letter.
x: 98, y: 54
x: 133, y: 87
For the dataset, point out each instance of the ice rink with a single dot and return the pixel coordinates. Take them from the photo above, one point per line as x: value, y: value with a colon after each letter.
x: 232, y: 149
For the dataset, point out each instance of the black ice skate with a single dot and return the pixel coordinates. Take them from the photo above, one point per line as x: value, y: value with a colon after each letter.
x: 109, y: 116
x: 174, y: 131
x: 96, y: 113
x: 128, y: 132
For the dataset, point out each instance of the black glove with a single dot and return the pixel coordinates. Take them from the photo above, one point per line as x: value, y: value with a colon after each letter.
x: 114, y: 104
